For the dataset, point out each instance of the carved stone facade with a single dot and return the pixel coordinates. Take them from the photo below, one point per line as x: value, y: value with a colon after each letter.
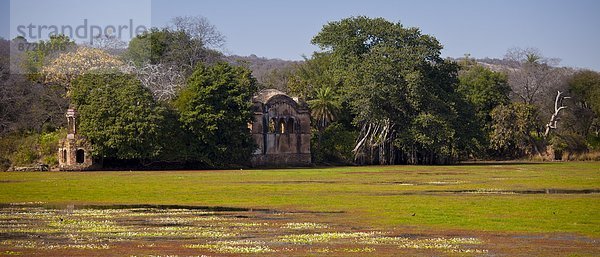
x: 74, y: 150
x: 281, y: 129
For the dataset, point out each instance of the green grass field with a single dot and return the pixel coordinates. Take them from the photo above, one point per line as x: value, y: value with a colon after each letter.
x: 504, y: 197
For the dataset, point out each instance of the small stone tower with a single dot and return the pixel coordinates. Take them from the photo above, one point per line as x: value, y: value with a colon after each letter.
x: 74, y: 151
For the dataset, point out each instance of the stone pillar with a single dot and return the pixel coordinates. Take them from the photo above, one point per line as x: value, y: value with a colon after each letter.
x: 71, y: 123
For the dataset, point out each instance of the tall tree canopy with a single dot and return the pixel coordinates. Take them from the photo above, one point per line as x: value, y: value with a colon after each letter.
x: 585, y: 88
x: 587, y: 85
x: 84, y: 60
x: 485, y: 90
x: 513, y: 129
x: 118, y: 115
x: 401, y: 90
x: 170, y: 47
x: 215, y: 108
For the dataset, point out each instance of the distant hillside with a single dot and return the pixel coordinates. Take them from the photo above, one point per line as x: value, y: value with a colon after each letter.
x: 494, y: 64
x: 271, y: 73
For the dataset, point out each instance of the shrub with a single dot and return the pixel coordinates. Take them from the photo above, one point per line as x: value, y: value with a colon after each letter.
x: 26, y: 152
x: 570, y: 143
x: 48, y: 146
x: 335, y: 146
x: 594, y: 142
x: 590, y: 156
x: 25, y: 149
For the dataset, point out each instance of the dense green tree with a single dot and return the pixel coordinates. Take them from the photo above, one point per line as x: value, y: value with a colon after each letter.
x: 313, y: 74
x: 513, y: 130
x: 586, y: 85
x: 333, y: 145
x: 401, y: 91
x: 314, y: 80
x: 118, y: 115
x: 169, y: 47
x: 584, y: 88
x: 215, y: 108
x: 484, y: 88
x: 146, y: 47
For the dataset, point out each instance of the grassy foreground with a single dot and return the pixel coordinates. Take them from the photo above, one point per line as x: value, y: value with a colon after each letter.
x: 497, y: 197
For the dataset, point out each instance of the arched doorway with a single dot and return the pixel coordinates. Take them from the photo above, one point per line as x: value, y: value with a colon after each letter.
x: 80, y: 156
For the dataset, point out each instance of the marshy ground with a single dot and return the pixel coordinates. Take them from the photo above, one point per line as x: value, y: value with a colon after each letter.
x: 475, y: 210
x: 30, y: 229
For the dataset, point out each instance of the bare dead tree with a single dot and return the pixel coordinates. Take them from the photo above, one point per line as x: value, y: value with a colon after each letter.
x: 162, y: 80
x: 197, y: 41
x: 109, y: 43
x: 199, y: 28
x: 558, y: 106
x: 530, y: 74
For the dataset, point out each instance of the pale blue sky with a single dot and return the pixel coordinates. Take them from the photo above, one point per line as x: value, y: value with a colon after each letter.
x: 282, y: 29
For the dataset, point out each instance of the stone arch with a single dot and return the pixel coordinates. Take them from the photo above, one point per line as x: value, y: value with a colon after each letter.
x: 80, y: 156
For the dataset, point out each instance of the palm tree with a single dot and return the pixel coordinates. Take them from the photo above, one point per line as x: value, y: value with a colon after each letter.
x: 324, y: 107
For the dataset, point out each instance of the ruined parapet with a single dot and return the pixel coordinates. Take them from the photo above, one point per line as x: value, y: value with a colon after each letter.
x: 281, y: 130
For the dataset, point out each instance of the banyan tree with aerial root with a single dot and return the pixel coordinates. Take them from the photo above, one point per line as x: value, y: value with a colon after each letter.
x: 401, y: 92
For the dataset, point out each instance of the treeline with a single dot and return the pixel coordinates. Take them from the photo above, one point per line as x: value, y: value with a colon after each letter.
x: 379, y: 94
x: 169, y: 99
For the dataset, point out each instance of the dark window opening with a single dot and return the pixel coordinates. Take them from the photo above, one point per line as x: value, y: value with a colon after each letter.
x: 80, y: 156
x: 290, y: 126
x: 64, y: 156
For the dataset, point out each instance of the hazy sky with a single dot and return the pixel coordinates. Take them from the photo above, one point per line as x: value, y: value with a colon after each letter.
x: 567, y: 29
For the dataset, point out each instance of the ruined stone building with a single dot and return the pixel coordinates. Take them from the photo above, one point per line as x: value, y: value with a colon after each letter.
x: 281, y: 129
x: 74, y: 150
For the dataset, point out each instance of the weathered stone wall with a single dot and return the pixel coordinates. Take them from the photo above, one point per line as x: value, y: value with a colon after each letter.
x: 68, y: 152
x: 282, y: 160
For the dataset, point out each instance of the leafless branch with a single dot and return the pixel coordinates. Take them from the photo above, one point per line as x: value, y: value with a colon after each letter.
x: 163, y: 81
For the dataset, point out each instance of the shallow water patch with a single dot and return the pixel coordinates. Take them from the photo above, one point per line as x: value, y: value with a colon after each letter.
x: 138, y: 229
